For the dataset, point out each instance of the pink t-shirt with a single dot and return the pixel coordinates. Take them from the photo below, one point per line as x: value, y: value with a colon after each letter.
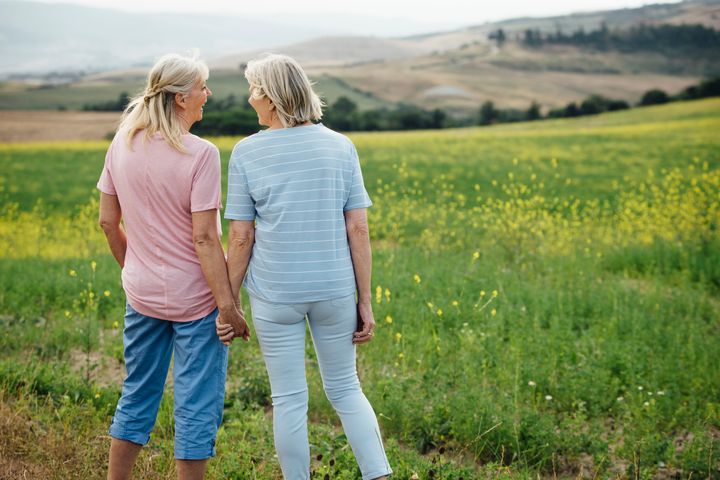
x: 158, y: 188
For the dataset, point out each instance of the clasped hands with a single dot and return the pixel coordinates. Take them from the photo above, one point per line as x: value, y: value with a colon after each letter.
x: 230, y: 324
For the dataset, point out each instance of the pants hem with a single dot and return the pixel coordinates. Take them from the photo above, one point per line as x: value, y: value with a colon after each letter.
x: 377, y: 474
x: 194, y: 454
x: 137, y: 438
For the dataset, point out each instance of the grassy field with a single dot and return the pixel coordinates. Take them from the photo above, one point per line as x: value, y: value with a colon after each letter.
x: 548, y: 300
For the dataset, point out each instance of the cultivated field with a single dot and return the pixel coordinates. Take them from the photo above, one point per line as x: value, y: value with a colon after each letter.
x: 43, y: 125
x: 548, y: 300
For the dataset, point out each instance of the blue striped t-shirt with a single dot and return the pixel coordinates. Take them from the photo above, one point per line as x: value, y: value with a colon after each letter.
x: 296, y: 183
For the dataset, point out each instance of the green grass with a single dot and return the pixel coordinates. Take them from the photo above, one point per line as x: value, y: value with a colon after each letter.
x: 548, y: 303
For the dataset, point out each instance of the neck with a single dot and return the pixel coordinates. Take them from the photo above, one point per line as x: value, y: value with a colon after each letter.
x: 276, y: 125
x: 185, y: 124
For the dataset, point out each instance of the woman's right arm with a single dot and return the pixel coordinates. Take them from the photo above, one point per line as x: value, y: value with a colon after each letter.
x: 212, y: 261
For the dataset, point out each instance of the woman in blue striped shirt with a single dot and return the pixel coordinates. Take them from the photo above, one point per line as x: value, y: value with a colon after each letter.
x: 299, y: 243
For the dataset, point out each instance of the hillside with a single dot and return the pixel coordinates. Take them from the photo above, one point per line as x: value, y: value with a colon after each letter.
x: 455, y: 70
x: 514, y: 76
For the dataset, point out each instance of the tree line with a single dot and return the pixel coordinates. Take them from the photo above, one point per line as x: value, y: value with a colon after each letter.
x: 233, y: 115
x: 697, y: 39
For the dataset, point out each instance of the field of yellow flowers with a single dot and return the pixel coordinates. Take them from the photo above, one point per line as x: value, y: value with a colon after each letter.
x: 547, y: 294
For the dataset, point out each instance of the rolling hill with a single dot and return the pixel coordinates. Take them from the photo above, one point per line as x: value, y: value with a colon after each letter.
x: 456, y: 70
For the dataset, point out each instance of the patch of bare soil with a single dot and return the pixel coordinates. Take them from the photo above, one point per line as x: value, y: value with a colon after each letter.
x: 105, y: 371
x: 18, y: 126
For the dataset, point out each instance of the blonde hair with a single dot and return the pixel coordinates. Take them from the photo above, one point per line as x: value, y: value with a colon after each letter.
x: 283, y: 81
x: 153, y: 110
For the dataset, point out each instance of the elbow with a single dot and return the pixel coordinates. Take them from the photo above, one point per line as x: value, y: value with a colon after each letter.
x: 108, y: 225
x: 242, y: 240
x: 202, y: 239
x: 358, y: 229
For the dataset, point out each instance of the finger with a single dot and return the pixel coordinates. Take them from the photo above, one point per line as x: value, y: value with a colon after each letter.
x: 364, y: 336
x: 227, y: 338
x: 223, y: 327
x: 364, y: 339
x: 362, y: 332
x: 222, y: 333
x: 367, y: 329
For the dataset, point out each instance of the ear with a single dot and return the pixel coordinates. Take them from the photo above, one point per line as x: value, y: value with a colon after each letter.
x: 180, y: 99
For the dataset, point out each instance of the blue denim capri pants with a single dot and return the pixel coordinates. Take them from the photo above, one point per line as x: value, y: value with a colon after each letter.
x: 199, y: 371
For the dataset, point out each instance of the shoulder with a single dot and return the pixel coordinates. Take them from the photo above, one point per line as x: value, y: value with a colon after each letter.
x: 336, y: 136
x: 248, y: 143
x: 200, y: 146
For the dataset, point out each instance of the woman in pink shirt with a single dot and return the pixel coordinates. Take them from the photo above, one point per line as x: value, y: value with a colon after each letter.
x: 163, y: 183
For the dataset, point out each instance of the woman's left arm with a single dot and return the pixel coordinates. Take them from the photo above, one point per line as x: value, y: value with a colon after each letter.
x: 110, y: 217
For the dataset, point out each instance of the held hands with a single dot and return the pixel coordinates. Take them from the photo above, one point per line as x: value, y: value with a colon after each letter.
x: 230, y: 324
x: 366, y: 323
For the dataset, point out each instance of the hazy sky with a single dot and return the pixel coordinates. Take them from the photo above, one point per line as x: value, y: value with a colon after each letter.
x: 449, y: 13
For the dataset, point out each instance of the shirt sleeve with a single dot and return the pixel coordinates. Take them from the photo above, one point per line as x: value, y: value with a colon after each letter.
x: 105, y: 184
x: 240, y: 204
x: 357, y: 195
x: 205, y: 189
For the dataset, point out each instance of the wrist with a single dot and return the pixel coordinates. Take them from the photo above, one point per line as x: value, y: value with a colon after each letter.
x: 226, y: 307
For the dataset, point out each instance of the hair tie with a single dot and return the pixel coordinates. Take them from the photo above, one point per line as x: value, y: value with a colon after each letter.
x: 150, y: 95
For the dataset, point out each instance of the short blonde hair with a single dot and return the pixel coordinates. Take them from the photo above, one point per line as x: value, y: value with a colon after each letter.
x: 283, y: 81
x: 153, y: 110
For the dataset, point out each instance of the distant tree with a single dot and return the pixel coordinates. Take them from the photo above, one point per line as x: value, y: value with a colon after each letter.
x: 532, y: 38
x: 615, y: 105
x: 344, y: 106
x: 499, y: 37
x: 594, y: 104
x: 408, y: 117
x: 654, y: 97
x: 372, y: 120
x: 342, y: 115
x: 533, y: 113
x: 710, y: 88
x: 509, y: 115
x: 437, y: 118
x: 572, y: 110
x: 236, y: 121
x: 488, y: 114
x: 556, y: 113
